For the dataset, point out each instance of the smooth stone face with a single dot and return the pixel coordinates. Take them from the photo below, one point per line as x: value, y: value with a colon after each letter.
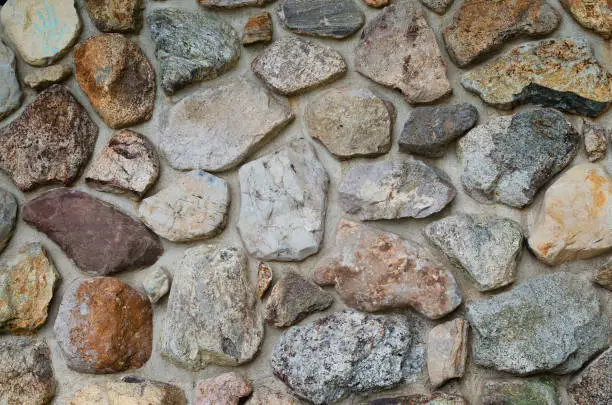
x: 264, y: 278
x: 218, y: 128
x: 519, y: 392
x: 595, y: 15
x: 595, y: 141
x: 321, y: 18
x: 212, y: 315
x: 226, y: 389
x: 575, y: 220
x: 348, y: 352
x: 592, y: 385
x: 439, y: 6
x: 604, y: 276
x: 376, y: 3
x: 191, y: 46
x: 10, y: 90
x: 374, y: 270
x: 447, y: 351
x: 398, y: 49
x: 233, y: 3
x: 418, y: 399
x: 129, y: 390
x: 269, y: 396
x: 100, y: 239
x: 104, y: 326
x: 568, y: 77
x: 283, y: 199
x: 508, y: 159
x: 42, y: 78
x: 50, y: 142
x: 291, y: 66
x: 123, y: 16
x: 258, y: 29
x: 9, y: 207
x: 389, y: 190
x: 157, y: 284
x: 552, y: 323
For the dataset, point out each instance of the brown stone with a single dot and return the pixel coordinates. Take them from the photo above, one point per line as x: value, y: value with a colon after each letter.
x: 604, y: 276
x: 258, y: 29
x: 269, y: 396
x: 264, y: 278
x: 418, y: 399
x: 226, y: 389
x: 593, y: 385
x: 447, y: 351
x: 377, y: 3
x: 129, y: 391
x: 116, y: 15
x: 595, y: 15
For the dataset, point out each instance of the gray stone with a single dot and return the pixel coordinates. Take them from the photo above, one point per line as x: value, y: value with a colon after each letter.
x: 321, y: 18
x: 592, y: 385
x: 156, y: 284
x: 10, y: 90
x: 595, y: 140
x: 233, y: 3
x: 42, y: 78
x: 439, y: 6
x: 8, y: 217
x: 436, y: 398
x: 520, y: 392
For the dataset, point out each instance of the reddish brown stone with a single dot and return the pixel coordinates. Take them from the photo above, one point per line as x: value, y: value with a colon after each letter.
x: 226, y: 389
x: 376, y: 3
x: 258, y: 29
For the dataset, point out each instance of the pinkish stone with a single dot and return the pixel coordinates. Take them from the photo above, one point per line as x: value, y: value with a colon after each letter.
x: 447, y: 351
x: 226, y: 389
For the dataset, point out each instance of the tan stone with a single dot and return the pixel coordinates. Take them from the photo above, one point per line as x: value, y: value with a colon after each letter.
x: 447, y: 351
x: 269, y: 396
x: 40, y: 79
x: 226, y: 389
x: 604, y: 276
x: 264, y: 278
x: 129, y: 391
x: 376, y: 3
x: 595, y: 15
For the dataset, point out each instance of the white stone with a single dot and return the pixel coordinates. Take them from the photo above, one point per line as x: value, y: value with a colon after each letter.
x: 156, y: 284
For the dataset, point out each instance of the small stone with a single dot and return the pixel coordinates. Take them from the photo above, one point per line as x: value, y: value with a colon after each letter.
x: 123, y: 16
x: 226, y: 389
x: 8, y: 217
x: 321, y: 18
x: 508, y: 159
x: 100, y: 239
x: 10, y: 90
x: 264, y: 278
x: 157, y: 284
x: 269, y: 396
x: 258, y: 29
x: 351, y: 123
x: 398, y: 49
x: 377, y: 3
x: 519, y: 392
x: 374, y: 270
x: 594, y: 15
x: 104, y: 326
x: 595, y: 141
x: 389, y: 190
x: 42, y: 78
x: 575, y: 220
x: 447, y: 351
x: 439, y: 6
x: 291, y: 66
x: 604, y: 276
x: 418, y: 399
x: 129, y: 390
x: 592, y: 385
x: 128, y: 165
x: 430, y: 130
x: 117, y: 78
x: 233, y: 3
x: 192, y: 46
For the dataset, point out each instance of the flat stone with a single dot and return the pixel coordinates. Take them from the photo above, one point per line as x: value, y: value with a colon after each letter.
x: 269, y: 396
x: 226, y: 389
x: 594, y: 15
x: 447, y: 351
x: 592, y: 385
x: 430, y: 130
x: 375, y: 270
x: 419, y: 399
x: 398, y: 49
x: 156, y: 284
x: 348, y: 352
x: 292, y: 66
x: 389, y: 190
x: 258, y: 29
x: 562, y: 74
x: 508, y: 159
x: 604, y: 276
x: 100, y: 239
x: 9, y: 207
x: 117, y: 78
x: 552, y: 323
x: 519, y: 392
x: 10, y: 90
x: 595, y: 140
x: 42, y: 78
x: 351, y: 123
x: 321, y: 18
x: 233, y: 3
x: 283, y: 199
x: 123, y: 16
x: 218, y: 128
x: 264, y: 278
x: 129, y: 390
x: 192, y: 46
x: 488, y: 248
x: 212, y: 315
x: 439, y: 6
x: 104, y: 326
x: 575, y: 219
x: 376, y: 3
x: 50, y: 142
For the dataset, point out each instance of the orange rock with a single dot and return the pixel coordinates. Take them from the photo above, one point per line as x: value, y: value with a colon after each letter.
x: 595, y: 15
x: 377, y: 3
x: 258, y: 29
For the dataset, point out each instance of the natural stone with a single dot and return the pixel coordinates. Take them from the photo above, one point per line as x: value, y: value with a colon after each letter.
x: 123, y: 16
x: 398, y: 49
x: 595, y: 141
x: 104, y: 326
x: 99, y: 238
x: 157, y: 284
x: 233, y: 3
x: 389, y: 190
x: 595, y: 15
x: 8, y: 217
x: 42, y: 78
x: 264, y: 278
x: 377, y: 3
x: 212, y: 315
x: 508, y: 159
x: 562, y: 74
x: 191, y: 46
x: 439, y: 6
x: 117, y: 78
x: 374, y: 270
x: 258, y: 29
x: 447, y: 351
x: 552, y: 323
x: 519, y: 392
x: 291, y: 66
x: 269, y: 396
x: 419, y: 399
x: 321, y: 18
x: 218, y: 128
x: 348, y: 352
x: 351, y: 123
x: 129, y: 390
x: 488, y: 248
x: 226, y: 389
x: 575, y: 219
x: 283, y: 198
x: 592, y: 385
x: 604, y: 276
x: 10, y: 90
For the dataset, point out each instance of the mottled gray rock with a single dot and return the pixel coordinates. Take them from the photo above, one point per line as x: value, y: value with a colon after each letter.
x: 592, y: 385
x: 42, y: 78
x: 595, y: 140
x: 8, y: 217
x: 520, y: 392
x: 439, y: 6
x: 321, y: 18
x: 10, y: 90
x: 233, y: 3
x: 156, y: 284
x: 447, y: 351
x: 436, y: 398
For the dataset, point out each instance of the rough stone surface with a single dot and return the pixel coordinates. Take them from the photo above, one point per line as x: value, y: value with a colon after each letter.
x: 447, y: 351
x: 508, y: 159
x: 439, y: 6
x: 104, y: 326
x: 604, y: 276
x: 258, y: 29
x: 389, y: 190
x: 8, y: 217
x: 157, y: 284
x: 376, y: 3
x: 10, y: 90
x: 129, y: 391
x: 595, y: 15
x: 321, y: 18
x: 283, y: 199
x: 595, y: 141
x: 552, y: 323
x: 218, y: 128
x: 264, y: 278
x: 233, y: 3
x: 348, y: 352
x: 374, y: 270
x: 562, y: 74
x: 398, y: 49
x: 212, y: 315
x: 418, y: 399
x: 42, y: 78
x: 269, y: 396
x: 592, y: 385
x: 123, y: 16
x: 99, y: 238
x: 519, y: 392
x: 226, y: 389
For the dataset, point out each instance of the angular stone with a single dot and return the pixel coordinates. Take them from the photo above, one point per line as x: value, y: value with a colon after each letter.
x: 488, y: 248
x: 594, y: 15
x: 191, y: 46
x: 595, y: 141
x: 604, y: 276
x: 439, y: 6
x: 50, y: 142
x: 218, y: 128
x: 508, y: 159
x: 226, y: 389
x: 351, y: 123
x: 592, y: 385
x: 8, y: 217
x: 376, y: 3
x: 258, y: 29
x: 321, y: 18
x: 552, y: 323
x: 447, y: 351
x: 519, y: 392
x: 104, y: 326
x: 283, y: 199
x: 429, y: 130
x: 418, y: 399
x: 233, y: 3
x: 10, y: 90
x: 128, y: 165
x: 123, y: 16
x: 269, y: 396
x: 398, y: 49
x: 129, y: 390
x: 291, y: 66
x: 157, y: 284
x: 212, y: 315
x: 42, y: 78
x: 575, y: 219
x: 562, y: 74
x: 374, y: 270
x: 264, y: 278
x: 99, y: 238
x: 117, y: 78
x: 389, y: 190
